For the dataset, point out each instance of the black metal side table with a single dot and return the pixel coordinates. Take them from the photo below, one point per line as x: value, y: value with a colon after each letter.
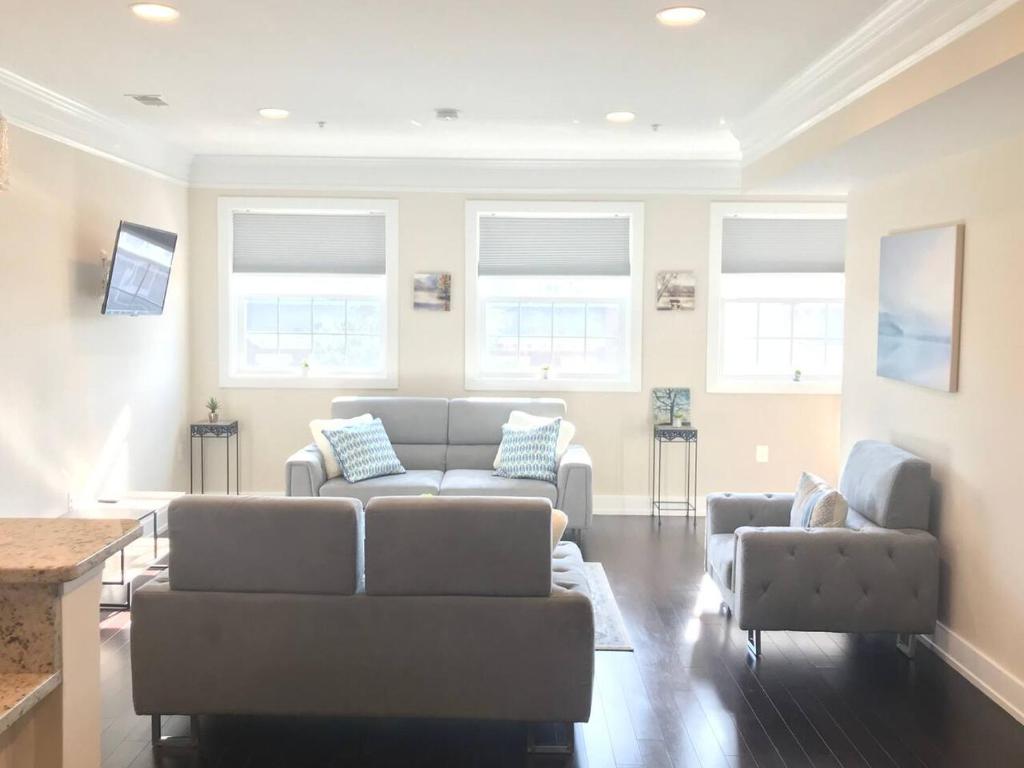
x: 665, y: 433
x: 224, y: 430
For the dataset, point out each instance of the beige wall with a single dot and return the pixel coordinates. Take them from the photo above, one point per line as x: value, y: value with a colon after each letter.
x: 802, y: 432
x: 972, y: 437
x: 89, y: 404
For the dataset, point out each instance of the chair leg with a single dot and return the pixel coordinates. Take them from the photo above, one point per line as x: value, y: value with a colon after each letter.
x: 174, y: 744
x: 754, y: 642
x: 535, y: 746
x: 907, y: 645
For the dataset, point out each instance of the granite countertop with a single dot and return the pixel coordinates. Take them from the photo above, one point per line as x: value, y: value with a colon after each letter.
x: 54, y: 550
x: 20, y: 691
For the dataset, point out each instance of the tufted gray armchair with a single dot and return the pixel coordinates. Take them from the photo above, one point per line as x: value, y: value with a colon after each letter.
x: 878, y: 574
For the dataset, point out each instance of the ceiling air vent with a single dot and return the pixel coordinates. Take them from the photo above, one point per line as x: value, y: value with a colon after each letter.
x: 148, y: 99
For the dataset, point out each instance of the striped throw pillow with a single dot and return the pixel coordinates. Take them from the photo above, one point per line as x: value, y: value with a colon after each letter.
x: 817, y: 504
x: 364, y: 451
x: 530, y: 453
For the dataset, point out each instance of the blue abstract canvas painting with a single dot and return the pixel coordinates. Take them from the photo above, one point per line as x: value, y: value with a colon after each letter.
x: 919, y: 306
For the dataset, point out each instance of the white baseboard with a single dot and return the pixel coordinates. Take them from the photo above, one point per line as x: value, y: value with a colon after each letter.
x: 980, y: 670
x: 625, y: 504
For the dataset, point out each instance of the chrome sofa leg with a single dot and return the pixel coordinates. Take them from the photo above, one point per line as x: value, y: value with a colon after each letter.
x: 907, y: 645
x: 566, y: 746
x: 754, y: 642
x: 165, y: 744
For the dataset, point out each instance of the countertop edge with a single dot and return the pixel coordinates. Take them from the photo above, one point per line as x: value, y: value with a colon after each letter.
x: 66, y: 573
x: 98, y: 557
x: 27, y: 703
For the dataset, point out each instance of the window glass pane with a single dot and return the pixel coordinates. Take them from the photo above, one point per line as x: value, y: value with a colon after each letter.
x: 809, y: 321
x: 773, y: 356
x: 569, y: 354
x: 809, y: 356
x: 261, y: 314
x: 298, y: 342
x: 364, y: 317
x: 774, y: 320
x: 294, y: 315
x: 835, y: 321
x: 603, y: 321
x: 260, y: 350
x: 740, y: 319
x: 534, y: 352
x: 535, y: 320
x: 502, y: 319
x: 328, y: 352
x: 834, y: 358
x: 364, y: 353
x: 604, y: 356
x: 502, y: 353
x: 740, y: 356
x: 570, y: 320
x: 328, y: 315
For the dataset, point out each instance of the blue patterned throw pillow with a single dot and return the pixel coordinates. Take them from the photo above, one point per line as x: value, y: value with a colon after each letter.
x: 364, y: 451
x: 817, y: 504
x: 529, y: 453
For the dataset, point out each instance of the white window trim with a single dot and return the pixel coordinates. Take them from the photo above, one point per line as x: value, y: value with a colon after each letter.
x: 717, y: 381
x: 226, y: 207
x: 636, y: 272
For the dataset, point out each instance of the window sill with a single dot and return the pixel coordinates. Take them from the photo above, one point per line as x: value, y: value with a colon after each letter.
x: 308, y: 382
x: 549, y: 385
x: 773, y: 387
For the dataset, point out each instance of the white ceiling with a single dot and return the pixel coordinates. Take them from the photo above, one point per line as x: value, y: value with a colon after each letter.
x: 521, y: 71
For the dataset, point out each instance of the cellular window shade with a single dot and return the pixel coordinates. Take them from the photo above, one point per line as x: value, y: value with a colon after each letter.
x: 783, y: 245
x: 550, y: 245
x: 309, y: 243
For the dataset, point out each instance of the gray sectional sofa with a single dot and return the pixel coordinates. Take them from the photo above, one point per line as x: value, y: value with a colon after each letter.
x: 417, y: 607
x: 447, y: 448
x: 880, y: 573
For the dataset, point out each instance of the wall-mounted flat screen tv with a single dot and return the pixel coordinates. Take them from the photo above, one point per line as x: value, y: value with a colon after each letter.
x: 139, y: 271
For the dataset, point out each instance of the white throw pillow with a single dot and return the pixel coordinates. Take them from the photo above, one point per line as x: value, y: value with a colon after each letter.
x: 317, y: 427
x: 524, y: 420
x: 817, y: 504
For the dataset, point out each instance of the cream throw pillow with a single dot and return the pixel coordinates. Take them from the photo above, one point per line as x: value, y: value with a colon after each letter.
x: 524, y: 420
x: 559, y: 520
x: 817, y: 504
x: 317, y: 427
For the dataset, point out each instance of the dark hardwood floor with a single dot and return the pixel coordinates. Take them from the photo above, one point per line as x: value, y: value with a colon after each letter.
x: 688, y: 697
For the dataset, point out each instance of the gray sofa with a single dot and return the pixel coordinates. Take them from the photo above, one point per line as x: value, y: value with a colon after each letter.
x: 878, y: 574
x: 447, y: 448
x: 421, y: 607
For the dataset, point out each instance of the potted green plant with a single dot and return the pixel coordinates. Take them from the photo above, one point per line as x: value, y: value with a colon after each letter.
x: 213, y: 405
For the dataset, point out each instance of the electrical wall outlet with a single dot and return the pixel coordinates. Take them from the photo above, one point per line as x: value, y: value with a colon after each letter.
x: 761, y: 454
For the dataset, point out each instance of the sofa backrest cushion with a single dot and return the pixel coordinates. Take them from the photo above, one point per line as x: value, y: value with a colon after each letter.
x: 474, y: 426
x: 416, y: 426
x: 253, y: 544
x: 465, y: 545
x: 887, y: 485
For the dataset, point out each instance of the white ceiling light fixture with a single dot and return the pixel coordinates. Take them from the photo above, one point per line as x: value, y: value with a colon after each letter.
x: 680, y: 16
x: 620, y: 117
x: 274, y: 113
x: 155, y: 12
x: 447, y: 113
x: 415, y: 123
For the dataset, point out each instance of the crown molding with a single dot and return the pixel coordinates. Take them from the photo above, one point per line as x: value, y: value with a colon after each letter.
x: 312, y: 174
x: 895, y: 38
x: 35, y: 108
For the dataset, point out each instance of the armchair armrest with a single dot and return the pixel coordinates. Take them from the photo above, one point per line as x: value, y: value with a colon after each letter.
x: 836, y: 579
x: 729, y: 511
x: 575, y: 486
x: 304, y: 472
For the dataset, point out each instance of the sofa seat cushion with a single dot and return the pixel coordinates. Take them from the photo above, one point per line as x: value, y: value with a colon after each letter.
x: 414, y: 482
x: 567, y: 570
x: 483, y: 482
x: 722, y: 556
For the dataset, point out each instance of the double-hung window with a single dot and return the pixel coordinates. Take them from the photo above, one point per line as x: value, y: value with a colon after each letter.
x: 307, y: 290
x: 775, y: 309
x: 553, y: 296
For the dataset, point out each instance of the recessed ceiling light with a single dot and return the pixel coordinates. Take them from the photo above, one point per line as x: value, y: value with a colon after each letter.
x: 680, y: 16
x: 274, y: 113
x: 620, y: 117
x: 446, y: 113
x: 415, y: 123
x: 155, y: 12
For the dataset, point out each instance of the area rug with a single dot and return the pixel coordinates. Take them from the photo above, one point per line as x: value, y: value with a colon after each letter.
x: 609, y: 629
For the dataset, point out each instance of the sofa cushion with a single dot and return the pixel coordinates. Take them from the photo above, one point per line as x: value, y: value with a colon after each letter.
x: 887, y: 485
x: 722, y: 556
x: 414, y: 482
x: 483, y: 482
x: 417, y: 426
x: 567, y: 569
x: 478, y: 420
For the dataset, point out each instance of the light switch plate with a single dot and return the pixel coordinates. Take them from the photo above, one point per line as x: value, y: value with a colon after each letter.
x: 761, y: 454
